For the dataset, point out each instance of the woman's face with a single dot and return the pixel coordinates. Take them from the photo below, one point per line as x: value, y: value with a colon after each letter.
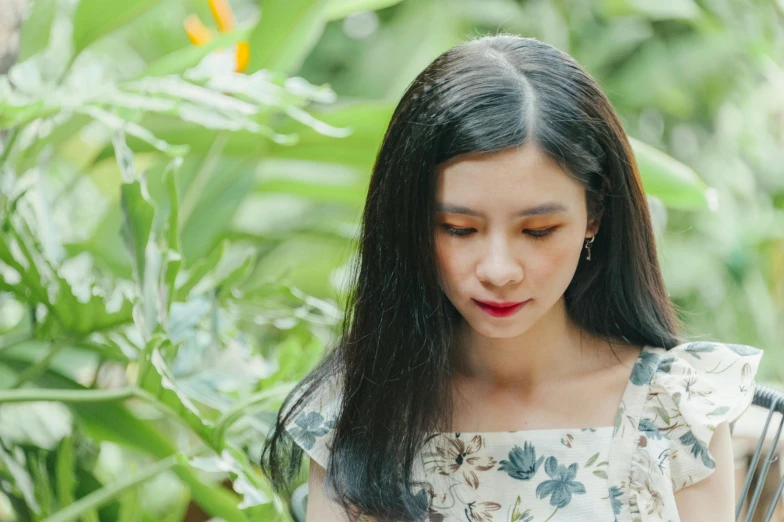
x: 510, y: 226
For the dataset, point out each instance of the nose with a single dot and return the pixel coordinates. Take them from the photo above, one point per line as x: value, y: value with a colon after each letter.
x: 498, y: 265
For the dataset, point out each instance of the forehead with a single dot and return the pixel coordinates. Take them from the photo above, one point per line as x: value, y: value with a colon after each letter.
x: 513, y: 178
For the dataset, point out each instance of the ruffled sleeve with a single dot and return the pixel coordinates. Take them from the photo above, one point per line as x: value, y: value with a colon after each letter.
x: 312, y: 428
x: 696, y: 387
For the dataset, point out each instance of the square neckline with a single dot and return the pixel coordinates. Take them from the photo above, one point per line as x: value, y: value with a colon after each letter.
x: 543, y: 431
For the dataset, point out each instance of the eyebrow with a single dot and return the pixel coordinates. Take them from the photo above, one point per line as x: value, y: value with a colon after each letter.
x: 543, y: 209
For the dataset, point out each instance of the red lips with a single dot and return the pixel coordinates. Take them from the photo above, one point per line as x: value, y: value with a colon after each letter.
x: 503, y: 309
x: 500, y: 305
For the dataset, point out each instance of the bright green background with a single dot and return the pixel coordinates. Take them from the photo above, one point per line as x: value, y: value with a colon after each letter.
x: 174, y: 242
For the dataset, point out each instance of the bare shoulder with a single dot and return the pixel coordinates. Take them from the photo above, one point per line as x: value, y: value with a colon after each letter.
x: 624, y: 354
x: 612, y: 355
x: 618, y: 361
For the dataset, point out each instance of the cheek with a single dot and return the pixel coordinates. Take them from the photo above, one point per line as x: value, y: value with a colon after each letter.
x: 550, y: 264
x: 555, y: 257
x: 452, y: 261
x: 556, y: 262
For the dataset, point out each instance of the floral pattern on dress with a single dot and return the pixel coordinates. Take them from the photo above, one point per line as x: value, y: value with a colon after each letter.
x: 481, y: 511
x: 627, y: 472
x: 561, y: 485
x: 522, y: 463
x: 308, y: 427
x: 696, y: 387
x: 458, y: 457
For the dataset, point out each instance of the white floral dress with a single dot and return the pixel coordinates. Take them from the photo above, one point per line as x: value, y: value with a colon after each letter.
x: 628, y: 472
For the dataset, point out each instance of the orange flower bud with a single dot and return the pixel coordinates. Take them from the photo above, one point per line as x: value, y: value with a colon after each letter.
x: 242, y: 56
x: 197, y: 33
x: 221, y: 11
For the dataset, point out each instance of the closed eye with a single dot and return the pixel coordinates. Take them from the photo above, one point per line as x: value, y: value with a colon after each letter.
x: 458, y: 231
x: 539, y: 234
x: 534, y: 233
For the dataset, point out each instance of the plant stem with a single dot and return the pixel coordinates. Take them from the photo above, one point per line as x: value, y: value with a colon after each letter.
x: 9, y: 143
x: 74, y: 396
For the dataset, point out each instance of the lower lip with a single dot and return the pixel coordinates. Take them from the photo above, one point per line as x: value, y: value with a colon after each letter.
x: 501, y: 312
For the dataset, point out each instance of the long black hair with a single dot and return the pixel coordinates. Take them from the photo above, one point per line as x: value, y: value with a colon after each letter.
x: 393, y: 357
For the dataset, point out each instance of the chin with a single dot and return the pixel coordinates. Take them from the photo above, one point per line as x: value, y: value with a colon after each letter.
x: 495, y: 331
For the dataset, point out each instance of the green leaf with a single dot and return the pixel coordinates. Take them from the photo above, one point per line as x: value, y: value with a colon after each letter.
x: 96, y: 18
x: 273, y: 394
x: 18, y: 115
x: 21, y: 479
x: 108, y: 493
x: 130, y: 509
x: 367, y: 121
x: 316, y: 191
x: 36, y: 28
x: 307, y: 261
x: 215, y: 205
x: 235, y: 275
x: 65, y: 474
x: 156, y: 378
x: 200, y: 269
x: 173, y: 198
x: 44, y: 492
x: 675, y: 183
x: 40, y: 423
x: 338, y: 9
x: 180, y: 89
x: 173, y: 257
x: 234, y: 265
x: 113, y: 422
x: 245, y: 481
x: 40, y: 283
x: 285, y: 34
x: 60, y: 134
x: 114, y: 122
x: 138, y: 213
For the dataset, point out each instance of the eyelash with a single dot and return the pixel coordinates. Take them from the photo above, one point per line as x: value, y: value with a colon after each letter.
x: 462, y: 232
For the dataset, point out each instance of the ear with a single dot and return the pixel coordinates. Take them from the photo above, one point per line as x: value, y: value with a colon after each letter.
x: 592, y: 228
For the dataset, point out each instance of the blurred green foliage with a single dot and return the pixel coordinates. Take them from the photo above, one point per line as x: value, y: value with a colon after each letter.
x: 175, y: 234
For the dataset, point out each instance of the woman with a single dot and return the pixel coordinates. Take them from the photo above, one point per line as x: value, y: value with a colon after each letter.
x: 509, y: 351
